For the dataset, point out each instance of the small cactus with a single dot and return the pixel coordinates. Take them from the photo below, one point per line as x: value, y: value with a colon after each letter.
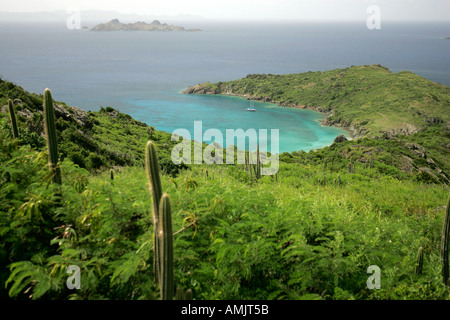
x: 50, y: 133
x: 351, y: 166
x: 445, y: 244
x: 179, y: 294
x: 419, y: 266
x: 166, y: 248
x: 258, y: 163
x: 12, y: 116
x: 323, y: 182
x: 189, y: 295
x: 153, y: 175
x: 183, y: 295
x: 250, y: 165
x: 246, y: 162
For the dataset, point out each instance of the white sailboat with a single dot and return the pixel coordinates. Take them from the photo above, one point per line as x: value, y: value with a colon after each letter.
x: 252, y: 106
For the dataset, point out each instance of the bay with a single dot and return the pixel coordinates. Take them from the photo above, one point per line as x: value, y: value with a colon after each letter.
x: 142, y: 73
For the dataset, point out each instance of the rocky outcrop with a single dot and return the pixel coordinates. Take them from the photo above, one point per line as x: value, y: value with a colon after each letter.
x: 340, y: 138
x: 354, y: 131
x: 79, y: 116
x: 66, y: 112
x: 417, y: 150
x: 434, y: 120
x: 405, y: 130
x: 198, y: 89
x: 432, y: 168
x: 407, y: 164
x: 116, y: 25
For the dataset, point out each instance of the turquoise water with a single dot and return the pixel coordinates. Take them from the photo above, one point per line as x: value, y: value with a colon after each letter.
x: 142, y: 73
x: 298, y: 129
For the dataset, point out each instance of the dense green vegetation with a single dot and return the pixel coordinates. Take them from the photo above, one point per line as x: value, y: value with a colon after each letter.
x: 370, y: 99
x: 92, y: 140
x: 310, y: 232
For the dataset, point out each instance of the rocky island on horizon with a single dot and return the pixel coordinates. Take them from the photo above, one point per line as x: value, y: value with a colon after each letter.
x: 116, y: 25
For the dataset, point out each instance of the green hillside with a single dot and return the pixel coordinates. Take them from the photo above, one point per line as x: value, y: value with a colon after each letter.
x: 368, y: 99
x: 310, y: 232
x: 93, y: 140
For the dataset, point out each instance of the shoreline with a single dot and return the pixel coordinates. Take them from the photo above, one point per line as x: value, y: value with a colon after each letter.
x: 353, y: 133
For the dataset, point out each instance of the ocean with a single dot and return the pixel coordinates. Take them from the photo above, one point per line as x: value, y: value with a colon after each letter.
x: 142, y: 73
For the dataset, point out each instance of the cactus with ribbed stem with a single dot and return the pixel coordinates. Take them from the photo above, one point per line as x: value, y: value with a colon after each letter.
x: 351, y: 166
x: 445, y: 244
x: 166, y: 249
x: 250, y: 165
x: 323, y: 182
x: 12, y: 117
x: 258, y: 163
x: 183, y: 295
x: 246, y: 162
x: 50, y: 134
x: 179, y: 294
x: 419, y: 266
x: 153, y: 175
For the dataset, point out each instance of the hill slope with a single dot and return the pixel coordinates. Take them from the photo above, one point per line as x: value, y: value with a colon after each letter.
x: 308, y: 233
x: 92, y: 140
x: 369, y: 100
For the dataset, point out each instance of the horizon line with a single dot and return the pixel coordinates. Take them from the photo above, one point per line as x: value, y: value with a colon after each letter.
x: 196, y: 17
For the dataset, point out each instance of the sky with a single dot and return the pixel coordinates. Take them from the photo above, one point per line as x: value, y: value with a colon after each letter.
x: 418, y: 10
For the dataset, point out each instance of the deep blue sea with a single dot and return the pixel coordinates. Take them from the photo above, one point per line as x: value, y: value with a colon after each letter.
x: 142, y: 73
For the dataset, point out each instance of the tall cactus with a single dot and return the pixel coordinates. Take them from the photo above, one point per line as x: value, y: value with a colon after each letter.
x: 351, y: 166
x: 246, y: 162
x: 419, y: 266
x: 166, y: 249
x: 50, y: 133
x: 153, y: 175
x: 12, y: 116
x: 250, y: 165
x: 258, y: 163
x: 445, y: 244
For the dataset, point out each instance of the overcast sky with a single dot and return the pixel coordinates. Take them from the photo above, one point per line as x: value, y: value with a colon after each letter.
x: 251, y: 9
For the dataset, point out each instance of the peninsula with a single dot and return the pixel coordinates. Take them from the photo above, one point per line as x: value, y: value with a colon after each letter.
x: 116, y: 25
x: 366, y: 100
